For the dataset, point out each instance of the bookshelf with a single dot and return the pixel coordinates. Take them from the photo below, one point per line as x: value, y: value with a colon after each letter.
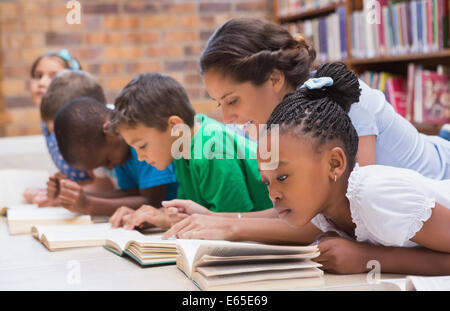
x: 395, y: 64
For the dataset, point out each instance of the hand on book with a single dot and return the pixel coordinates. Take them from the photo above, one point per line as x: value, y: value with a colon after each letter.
x: 53, y: 186
x: 31, y: 193
x: 116, y: 219
x: 177, y: 209
x: 144, y: 217
x: 199, y: 226
x: 39, y: 196
x: 72, y: 197
x: 341, y: 255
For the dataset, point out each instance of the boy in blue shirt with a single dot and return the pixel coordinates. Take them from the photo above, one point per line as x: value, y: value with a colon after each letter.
x: 85, y: 142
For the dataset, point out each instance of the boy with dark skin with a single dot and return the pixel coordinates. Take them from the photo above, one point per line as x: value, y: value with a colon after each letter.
x: 81, y: 128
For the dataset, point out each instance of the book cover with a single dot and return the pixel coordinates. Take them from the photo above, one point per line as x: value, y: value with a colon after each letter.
x: 415, y: 28
x: 429, y: 5
x: 436, y: 22
x: 323, y: 39
x: 446, y: 24
x: 395, y: 29
x: 435, y: 97
x: 341, y: 11
x: 397, y: 94
x: 410, y: 94
x: 381, y: 27
x: 425, y: 33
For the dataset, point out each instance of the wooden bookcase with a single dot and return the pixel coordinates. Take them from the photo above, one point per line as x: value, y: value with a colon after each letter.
x: 395, y: 64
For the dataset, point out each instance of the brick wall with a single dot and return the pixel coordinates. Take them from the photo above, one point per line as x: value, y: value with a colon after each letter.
x: 116, y: 40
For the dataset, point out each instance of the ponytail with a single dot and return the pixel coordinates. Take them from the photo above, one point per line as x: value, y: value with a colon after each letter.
x: 344, y: 90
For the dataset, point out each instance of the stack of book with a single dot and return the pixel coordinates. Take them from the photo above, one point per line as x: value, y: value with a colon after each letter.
x: 387, y: 27
x: 328, y: 34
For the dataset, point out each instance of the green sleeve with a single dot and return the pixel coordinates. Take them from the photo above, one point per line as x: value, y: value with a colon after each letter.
x: 223, y: 186
x: 181, y: 194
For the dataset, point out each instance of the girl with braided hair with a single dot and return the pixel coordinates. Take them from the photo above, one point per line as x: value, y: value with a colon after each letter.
x: 377, y: 204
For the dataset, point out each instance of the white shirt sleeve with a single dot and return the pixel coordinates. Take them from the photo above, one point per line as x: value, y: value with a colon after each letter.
x: 387, y: 205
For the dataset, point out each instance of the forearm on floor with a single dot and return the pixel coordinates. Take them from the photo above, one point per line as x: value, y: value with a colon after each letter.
x: 417, y: 261
x: 107, y: 206
x: 274, y: 231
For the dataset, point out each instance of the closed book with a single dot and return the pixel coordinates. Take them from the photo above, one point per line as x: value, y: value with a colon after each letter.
x: 397, y: 94
x: 341, y: 11
x: 435, y: 97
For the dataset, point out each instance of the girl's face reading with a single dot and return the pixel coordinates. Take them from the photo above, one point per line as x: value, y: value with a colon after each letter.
x: 299, y: 186
x: 45, y: 71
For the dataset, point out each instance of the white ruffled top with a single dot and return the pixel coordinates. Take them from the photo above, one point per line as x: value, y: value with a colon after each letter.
x: 389, y: 205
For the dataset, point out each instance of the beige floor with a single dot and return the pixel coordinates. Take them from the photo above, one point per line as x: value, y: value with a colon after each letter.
x: 25, y: 264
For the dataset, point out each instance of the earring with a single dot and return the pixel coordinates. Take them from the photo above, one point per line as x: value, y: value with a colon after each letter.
x: 334, y: 178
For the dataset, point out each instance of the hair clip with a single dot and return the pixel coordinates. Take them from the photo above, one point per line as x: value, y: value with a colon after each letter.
x: 317, y: 83
x: 73, y: 63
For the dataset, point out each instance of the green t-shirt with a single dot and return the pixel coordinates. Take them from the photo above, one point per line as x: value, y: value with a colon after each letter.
x: 222, y: 172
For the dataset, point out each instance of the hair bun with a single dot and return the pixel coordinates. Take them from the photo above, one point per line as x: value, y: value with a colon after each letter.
x: 303, y: 44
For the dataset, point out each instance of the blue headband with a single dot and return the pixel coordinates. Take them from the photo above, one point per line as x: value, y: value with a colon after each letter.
x: 317, y: 83
x: 73, y: 63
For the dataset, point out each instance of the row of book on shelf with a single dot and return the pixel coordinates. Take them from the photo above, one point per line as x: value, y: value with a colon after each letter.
x: 423, y: 96
x: 382, y: 28
x: 292, y: 7
x: 386, y: 27
x: 327, y: 34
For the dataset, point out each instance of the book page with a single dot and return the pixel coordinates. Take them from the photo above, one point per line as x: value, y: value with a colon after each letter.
x: 208, y: 260
x: 255, y: 267
x: 119, y: 237
x: 73, y: 232
x: 422, y: 283
x: 41, y: 213
x: 193, y: 250
x: 14, y: 182
x: 262, y: 276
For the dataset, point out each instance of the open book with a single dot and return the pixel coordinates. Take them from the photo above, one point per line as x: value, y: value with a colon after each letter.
x: 223, y: 265
x: 147, y: 250
x: 70, y: 236
x: 417, y: 283
x: 21, y: 220
x: 14, y: 182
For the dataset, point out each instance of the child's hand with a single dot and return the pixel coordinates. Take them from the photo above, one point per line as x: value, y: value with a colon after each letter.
x: 53, y: 187
x: 342, y: 256
x: 30, y: 193
x: 177, y: 210
x: 72, y: 197
x: 203, y: 227
x: 42, y: 200
x: 146, y: 216
x: 116, y: 219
